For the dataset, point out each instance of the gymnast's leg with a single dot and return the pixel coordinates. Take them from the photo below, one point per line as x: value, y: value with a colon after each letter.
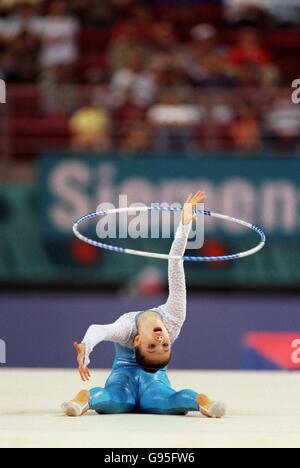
x: 160, y: 398
x: 118, y: 396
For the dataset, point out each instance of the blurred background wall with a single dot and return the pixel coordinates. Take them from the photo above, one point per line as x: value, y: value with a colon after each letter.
x: 152, y: 100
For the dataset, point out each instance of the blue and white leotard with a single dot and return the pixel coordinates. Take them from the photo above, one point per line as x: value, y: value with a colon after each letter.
x: 129, y: 388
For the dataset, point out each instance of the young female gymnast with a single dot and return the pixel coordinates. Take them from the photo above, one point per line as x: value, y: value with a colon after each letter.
x: 143, y: 341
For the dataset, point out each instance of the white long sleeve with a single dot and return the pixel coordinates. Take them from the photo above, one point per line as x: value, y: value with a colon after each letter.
x: 122, y: 331
x: 173, y: 312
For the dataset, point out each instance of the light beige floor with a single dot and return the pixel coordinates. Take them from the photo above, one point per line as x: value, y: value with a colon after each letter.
x: 264, y: 411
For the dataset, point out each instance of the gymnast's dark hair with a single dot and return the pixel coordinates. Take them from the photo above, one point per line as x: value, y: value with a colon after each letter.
x: 147, y: 366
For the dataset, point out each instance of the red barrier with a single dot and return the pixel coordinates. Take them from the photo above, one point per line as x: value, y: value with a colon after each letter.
x: 272, y: 350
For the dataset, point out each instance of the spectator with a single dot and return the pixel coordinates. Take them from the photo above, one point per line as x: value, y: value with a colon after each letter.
x: 90, y: 129
x: 21, y: 18
x: 167, y: 53
x: 24, y: 52
x: 205, y: 59
x: 248, y: 53
x: 205, y: 40
x: 135, y: 81
x: 134, y: 56
x: 164, y: 38
x: 254, y: 11
x: 168, y: 71
x: 58, y: 95
x: 121, y: 46
x: 58, y: 32
x: 211, y: 71
x: 245, y: 131
x: 93, y: 12
x: 282, y: 123
x: 7, y: 66
x: 135, y: 138
x: 131, y: 130
x: 248, y: 49
x: 137, y: 28
x: 58, y: 55
x: 287, y: 12
x: 174, y: 123
x: 217, y: 108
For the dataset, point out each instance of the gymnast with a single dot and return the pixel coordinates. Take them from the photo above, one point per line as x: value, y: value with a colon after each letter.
x: 143, y: 343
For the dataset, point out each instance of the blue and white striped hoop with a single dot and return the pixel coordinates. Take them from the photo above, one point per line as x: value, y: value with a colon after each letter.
x: 138, y: 253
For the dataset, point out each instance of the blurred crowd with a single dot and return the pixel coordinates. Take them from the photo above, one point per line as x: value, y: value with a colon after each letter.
x: 154, y: 85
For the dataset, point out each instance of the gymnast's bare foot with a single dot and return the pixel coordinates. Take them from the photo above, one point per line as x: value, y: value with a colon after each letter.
x: 211, y: 409
x: 79, y: 406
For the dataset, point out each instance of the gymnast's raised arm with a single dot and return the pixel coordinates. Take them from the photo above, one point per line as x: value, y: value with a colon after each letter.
x: 175, y: 307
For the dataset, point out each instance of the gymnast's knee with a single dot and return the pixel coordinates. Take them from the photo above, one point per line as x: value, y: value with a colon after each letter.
x: 186, y: 400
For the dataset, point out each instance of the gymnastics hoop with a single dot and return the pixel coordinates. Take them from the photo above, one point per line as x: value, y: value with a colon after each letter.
x: 139, y: 253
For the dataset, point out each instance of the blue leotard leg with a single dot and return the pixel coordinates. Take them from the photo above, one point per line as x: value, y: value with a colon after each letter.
x: 157, y: 396
x: 129, y: 388
x: 118, y: 396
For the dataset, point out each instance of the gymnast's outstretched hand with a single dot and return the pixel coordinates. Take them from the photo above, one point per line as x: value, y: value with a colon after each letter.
x: 190, y: 206
x: 83, y: 369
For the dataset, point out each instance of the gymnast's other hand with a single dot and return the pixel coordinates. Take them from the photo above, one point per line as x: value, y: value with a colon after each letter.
x: 83, y: 370
x: 190, y: 206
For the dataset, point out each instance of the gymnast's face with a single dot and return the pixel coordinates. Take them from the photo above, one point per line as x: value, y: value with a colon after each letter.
x: 153, y: 339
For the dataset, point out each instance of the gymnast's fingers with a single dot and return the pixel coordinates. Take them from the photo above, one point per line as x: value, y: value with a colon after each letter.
x: 86, y: 374
x: 80, y: 360
x: 83, y: 374
x: 200, y: 196
x: 200, y: 199
x: 194, y: 200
